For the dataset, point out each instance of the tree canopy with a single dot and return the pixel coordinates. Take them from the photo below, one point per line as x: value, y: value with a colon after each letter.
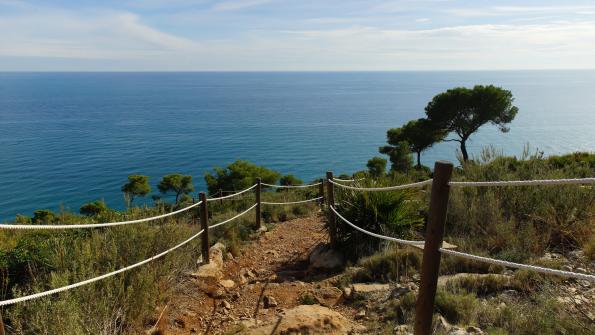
x: 176, y: 183
x: 93, y: 208
x: 137, y: 186
x: 419, y: 134
x: 44, y: 216
x: 238, y: 176
x: 399, y: 155
x: 377, y: 167
x: 290, y: 180
x: 463, y: 111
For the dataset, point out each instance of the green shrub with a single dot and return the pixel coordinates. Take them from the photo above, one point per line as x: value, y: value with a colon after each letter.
x: 388, y: 265
x: 238, y: 176
x: 388, y: 213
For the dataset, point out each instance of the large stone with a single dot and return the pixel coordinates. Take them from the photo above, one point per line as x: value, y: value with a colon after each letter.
x: 327, y: 296
x: 216, y: 253
x: 208, y: 277
x: 307, y: 319
x: 227, y: 284
x: 323, y: 258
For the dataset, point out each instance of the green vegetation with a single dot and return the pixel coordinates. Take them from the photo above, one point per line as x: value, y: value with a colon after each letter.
x: 463, y: 111
x: 177, y: 184
x: 376, y: 167
x: 137, y: 186
x: 389, y: 213
x: 290, y: 180
x: 36, y: 261
x: 398, y: 153
x: 518, y: 224
x: 93, y: 208
x: 419, y: 135
x: 43, y: 216
x: 238, y: 176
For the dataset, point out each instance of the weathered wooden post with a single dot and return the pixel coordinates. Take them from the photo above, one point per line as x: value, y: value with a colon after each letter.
x: 2, y: 332
x: 221, y: 195
x: 204, y: 217
x: 424, y: 308
x: 330, y: 200
x: 257, y: 209
x: 321, y: 192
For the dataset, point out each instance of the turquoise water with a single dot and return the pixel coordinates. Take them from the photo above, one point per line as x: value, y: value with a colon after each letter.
x: 70, y: 138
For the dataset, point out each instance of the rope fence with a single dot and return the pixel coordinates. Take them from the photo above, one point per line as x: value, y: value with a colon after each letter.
x: 292, y: 186
x: 381, y: 189
x: 533, y: 268
x: 431, y: 246
x: 233, y: 218
x: 388, y: 238
x: 435, y: 232
x: 291, y: 202
x: 95, y: 225
x: 232, y: 195
x: 92, y: 280
x: 537, y: 182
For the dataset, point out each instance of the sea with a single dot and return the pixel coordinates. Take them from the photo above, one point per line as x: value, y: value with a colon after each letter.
x: 70, y: 138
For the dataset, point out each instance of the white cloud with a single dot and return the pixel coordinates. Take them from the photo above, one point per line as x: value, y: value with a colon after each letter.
x: 91, y: 35
x: 133, y: 42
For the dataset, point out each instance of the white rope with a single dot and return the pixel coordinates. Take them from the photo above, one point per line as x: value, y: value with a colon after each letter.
x: 388, y: 238
x: 523, y: 182
x: 232, y: 195
x: 520, y: 266
x: 94, y: 225
x: 233, y: 218
x: 389, y: 188
x: 290, y: 202
x: 291, y: 186
x: 92, y: 280
x: 344, y: 180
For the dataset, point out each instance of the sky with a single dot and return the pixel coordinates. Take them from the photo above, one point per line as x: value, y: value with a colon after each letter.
x: 295, y: 35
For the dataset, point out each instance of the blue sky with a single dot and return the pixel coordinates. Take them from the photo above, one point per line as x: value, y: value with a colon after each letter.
x: 283, y: 35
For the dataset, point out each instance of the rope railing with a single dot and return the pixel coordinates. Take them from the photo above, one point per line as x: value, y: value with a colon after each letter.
x: 344, y: 180
x: 232, y: 195
x: 533, y: 268
x: 380, y: 189
x: 292, y: 186
x: 233, y: 218
x: 291, y: 202
x: 536, y: 182
x: 388, y: 238
x: 95, y: 225
x: 92, y: 280
x: 488, y: 260
x: 113, y: 273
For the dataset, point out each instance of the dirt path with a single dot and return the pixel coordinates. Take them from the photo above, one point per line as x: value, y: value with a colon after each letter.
x: 275, y: 265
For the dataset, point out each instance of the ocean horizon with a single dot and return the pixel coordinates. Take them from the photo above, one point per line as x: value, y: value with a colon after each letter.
x: 68, y: 138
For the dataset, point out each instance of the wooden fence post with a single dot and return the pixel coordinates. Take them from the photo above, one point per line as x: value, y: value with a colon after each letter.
x: 257, y: 209
x: 330, y: 193
x: 221, y: 195
x: 2, y: 332
x: 321, y: 192
x: 204, y: 222
x: 424, y: 308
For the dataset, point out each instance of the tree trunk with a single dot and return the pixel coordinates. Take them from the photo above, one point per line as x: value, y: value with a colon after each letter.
x: 419, y: 159
x: 464, y: 151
